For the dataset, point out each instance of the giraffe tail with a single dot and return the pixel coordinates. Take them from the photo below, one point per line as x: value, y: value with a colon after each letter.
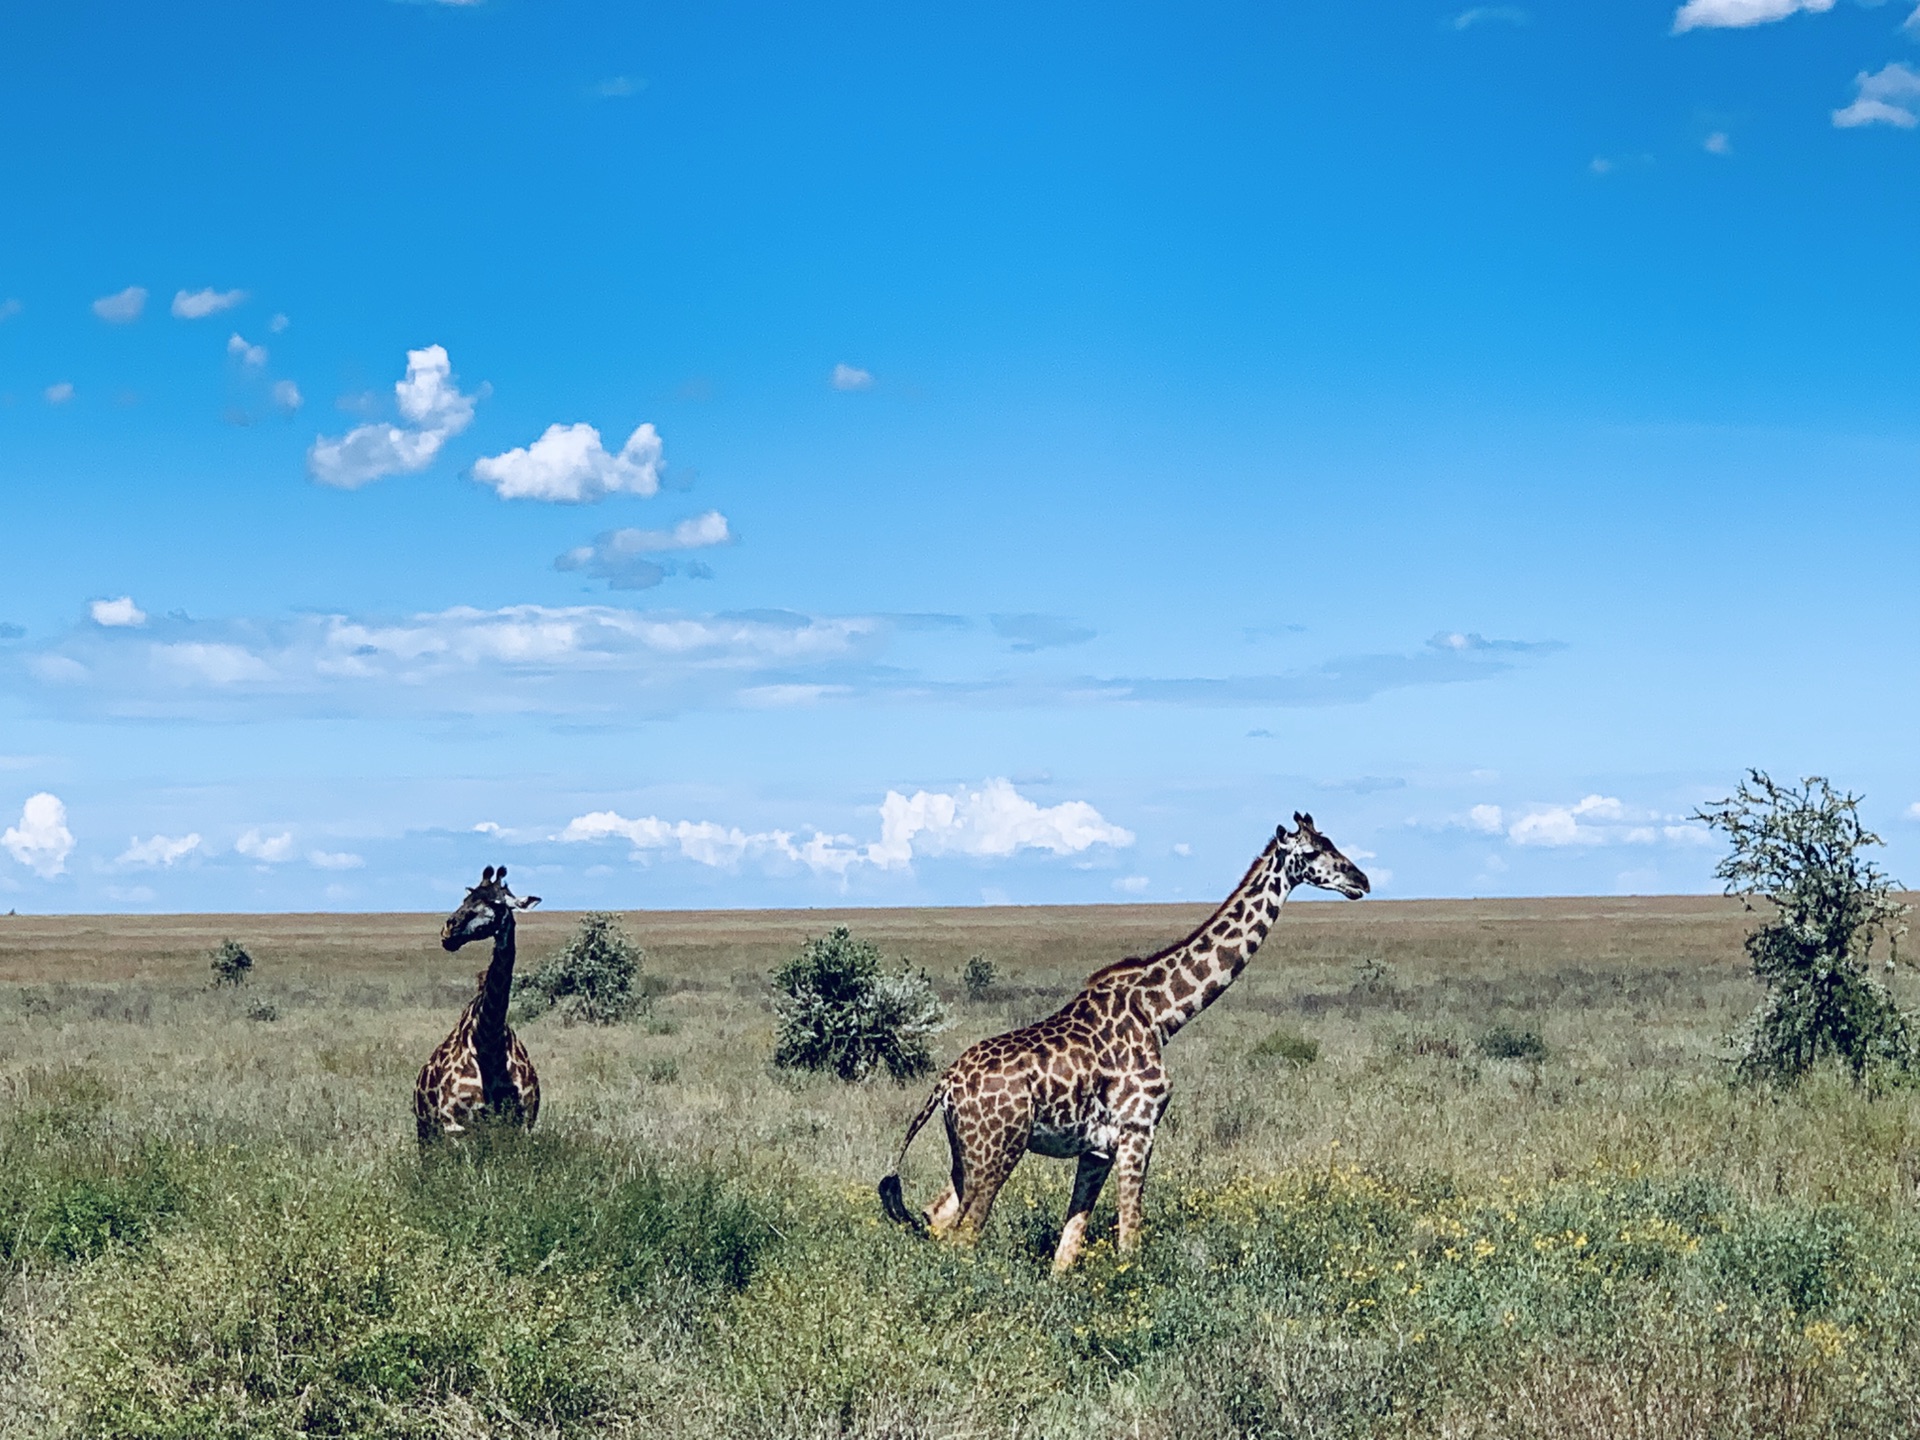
x: 891, y: 1200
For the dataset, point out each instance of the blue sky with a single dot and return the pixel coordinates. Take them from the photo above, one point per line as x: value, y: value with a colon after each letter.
x: 752, y: 455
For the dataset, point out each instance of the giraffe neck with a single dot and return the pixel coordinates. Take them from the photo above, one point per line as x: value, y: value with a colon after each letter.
x: 490, y: 1010
x: 1200, y: 968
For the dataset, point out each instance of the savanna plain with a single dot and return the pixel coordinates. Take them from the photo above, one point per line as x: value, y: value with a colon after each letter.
x: 1379, y: 1205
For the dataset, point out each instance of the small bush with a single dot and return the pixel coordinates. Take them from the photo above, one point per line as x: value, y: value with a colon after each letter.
x: 231, y: 963
x: 593, y: 978
x: 263, y: 1011
x: 979, y: 977
x: 838, y: 1011
x: 1288, y: 1046
x: 1507, y: 1042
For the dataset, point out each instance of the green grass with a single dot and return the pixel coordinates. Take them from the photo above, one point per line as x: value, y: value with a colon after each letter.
x: 1363, y: 1219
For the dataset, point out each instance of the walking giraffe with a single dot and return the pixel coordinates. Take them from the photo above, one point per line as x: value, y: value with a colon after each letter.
x: 481, y: 1067
x: 1087, y: 1081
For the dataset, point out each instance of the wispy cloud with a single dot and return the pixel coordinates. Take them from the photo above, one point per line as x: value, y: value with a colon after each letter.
x: 850, y: 377
x: 433, y: 407
x: 617, y: 87
x: 624, y: 558
x: 568, y: 465
x: 158, y: 851
x: 1028, y: 632
x: 1718, y: 143
x: 1472, y: 642
x: 40, y: 840
x: 1739, y: 14
x: 1886, y: 97
x: 198, y: 304
x: 8, y: 309
x: 286, y: 395
x: 992, y: 822
x: 122, y: 308
x: 58, y: 393
x: 1491, y: 15
x: 334, y: 860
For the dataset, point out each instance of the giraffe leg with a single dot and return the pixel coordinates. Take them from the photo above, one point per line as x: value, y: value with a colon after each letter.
x: 1087, y: 1180
x: 944, y: 1213
x: 985, y: 1175
x: 1130, y: 1157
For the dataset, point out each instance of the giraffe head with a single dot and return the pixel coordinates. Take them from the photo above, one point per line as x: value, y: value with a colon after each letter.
x: 488, y: 908
x: 1308, y: 858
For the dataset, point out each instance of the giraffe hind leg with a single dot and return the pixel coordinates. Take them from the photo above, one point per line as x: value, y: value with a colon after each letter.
x: 944, y: 1213
x: 1087, y: 1180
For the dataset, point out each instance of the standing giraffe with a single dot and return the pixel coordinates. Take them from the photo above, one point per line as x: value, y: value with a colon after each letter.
x: 1088, y: 1081
x: 481, y: 1066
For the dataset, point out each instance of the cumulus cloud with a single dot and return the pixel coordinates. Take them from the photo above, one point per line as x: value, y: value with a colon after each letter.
x: 123, y: 308
x: 620, y: 557
x: 434, y: 410
x: 198, y: 304
x: 117, y: 614
x: 1594, y: 820
x: 850, y: 377
x: 267, y: 849
x: 569, y: 465
x: 1886, y: 97
x: 1487, y: 819
x: 994, y: 822
x: 1738, y: 14
x: 1027, y: 633
x: 59, y: 393
x: 286, y: 395
x: 41, y: 841
x: 254, y: 357
x: 158, y: 851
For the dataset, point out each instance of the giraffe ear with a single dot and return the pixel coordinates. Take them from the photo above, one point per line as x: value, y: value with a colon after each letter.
x: 1305, y: 822
x: 486, y: 876
x: 500, y: 876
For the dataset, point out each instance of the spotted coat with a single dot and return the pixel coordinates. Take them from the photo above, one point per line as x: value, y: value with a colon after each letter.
x: 1088, y: 1082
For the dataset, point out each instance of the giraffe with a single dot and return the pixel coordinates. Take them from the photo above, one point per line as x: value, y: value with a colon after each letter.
x: 1087, y: 1082
x: 481, y: 1066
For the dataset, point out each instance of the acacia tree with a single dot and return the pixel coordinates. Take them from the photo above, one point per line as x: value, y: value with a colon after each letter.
x: 1798, y: 849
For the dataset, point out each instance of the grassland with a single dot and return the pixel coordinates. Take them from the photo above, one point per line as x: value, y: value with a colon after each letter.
x: 213, y: 1220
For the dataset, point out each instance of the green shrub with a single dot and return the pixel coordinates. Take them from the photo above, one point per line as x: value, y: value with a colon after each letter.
x: 1507, y: 1042
x: 75, y: 1202
x: 978, y: 977
x: 1289, y: 1046
x: 231, y: 963
x: 839, y: 1012
x: 592, y: 978
x: 1798, y: 849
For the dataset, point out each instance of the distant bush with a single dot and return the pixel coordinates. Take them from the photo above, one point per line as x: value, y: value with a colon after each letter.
x: 263, y: 1011
x: 1798, y: 849
x: 1427, y: 1044
x: 839, y: 1012
x: 1289, y: 1046
x: 592, y: 978
x: 979, y: 977
x: 231, y: 963
x: 1506, y: 1042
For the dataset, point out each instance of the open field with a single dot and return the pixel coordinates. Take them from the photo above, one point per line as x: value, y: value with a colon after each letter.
x: 213, y: 1220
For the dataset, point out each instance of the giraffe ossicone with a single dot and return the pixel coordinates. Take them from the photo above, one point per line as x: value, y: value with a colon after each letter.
x: 481, y: 1069
x: 1087, y: 1083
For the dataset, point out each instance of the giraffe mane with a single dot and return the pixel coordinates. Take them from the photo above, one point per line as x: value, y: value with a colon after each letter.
x: 1133, y: 964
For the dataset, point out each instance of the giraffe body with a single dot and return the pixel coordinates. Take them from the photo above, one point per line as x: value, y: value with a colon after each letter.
x: 481, y: 1069
x: 1088, y: 1082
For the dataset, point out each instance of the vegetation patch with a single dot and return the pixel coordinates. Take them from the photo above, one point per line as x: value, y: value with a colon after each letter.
x: 840, y: 1012
x: 1287, y: 1046
x: 1511, y: 1042
x: 595, y: 977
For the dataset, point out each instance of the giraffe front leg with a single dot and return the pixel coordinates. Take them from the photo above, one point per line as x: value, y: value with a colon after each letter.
x: 1130, y: 1157
x: 1087, y: 1180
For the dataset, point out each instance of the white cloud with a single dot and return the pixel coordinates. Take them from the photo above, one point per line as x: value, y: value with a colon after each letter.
x: 569, y: 465
x: 1738, y: 14
x: 1132, y: 884
x: 620, y: 556
x: 1885, y: 97
x: 117, y: 614
x: 160, y: 850
x: 995, y: 820
x: 278, y: 324
x: 1913, y: 811
x: 59, y: 393
x: 41, y: 841
x: 123, y: 308
x: 267, y: 849
x: 1487, y: 819
x: 287, y: 395
x: 1596, y: 820
x: 198, y: 304
x: 1561, y: 824
x: 850, y: 377
x: 334, y: 860
x: 252, y: 356
x: 1717, y: 143
x: 435, y: 411
x: 215, y: 664
x: 9, y: 308
x: 1490, y: 14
